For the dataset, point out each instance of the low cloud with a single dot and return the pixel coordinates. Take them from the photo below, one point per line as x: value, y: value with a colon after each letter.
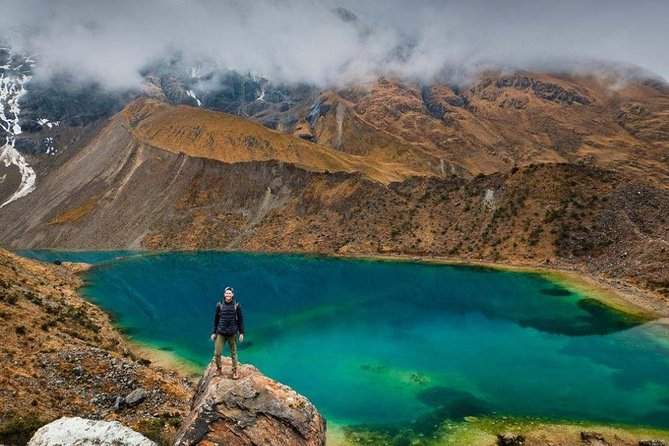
x: 320, y: 43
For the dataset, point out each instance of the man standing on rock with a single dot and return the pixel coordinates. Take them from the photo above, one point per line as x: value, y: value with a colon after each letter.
x: 228, y: 321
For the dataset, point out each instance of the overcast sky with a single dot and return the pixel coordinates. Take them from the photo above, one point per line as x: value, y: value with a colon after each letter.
x: 305, y: 41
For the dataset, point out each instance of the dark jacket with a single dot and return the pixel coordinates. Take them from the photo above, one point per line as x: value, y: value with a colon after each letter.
x: 229, y: 318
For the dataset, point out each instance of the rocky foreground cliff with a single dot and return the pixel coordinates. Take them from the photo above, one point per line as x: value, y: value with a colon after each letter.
x: 254, y: 410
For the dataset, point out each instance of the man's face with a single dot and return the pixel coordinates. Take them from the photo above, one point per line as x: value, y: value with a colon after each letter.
x: 228, y: 295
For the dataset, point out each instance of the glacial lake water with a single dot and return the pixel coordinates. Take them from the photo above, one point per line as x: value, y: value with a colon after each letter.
x: 385, y: 343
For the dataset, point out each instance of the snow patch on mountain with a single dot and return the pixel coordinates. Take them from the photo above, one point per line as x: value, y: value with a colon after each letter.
x: 262, y: 94
x: 192, y: 95
x: 50, y: 149
x: 193, y: 72
x: 12, y: 86
x: 46, y: 122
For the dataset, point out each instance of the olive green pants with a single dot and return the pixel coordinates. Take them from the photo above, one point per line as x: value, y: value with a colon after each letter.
x: 218, y: 349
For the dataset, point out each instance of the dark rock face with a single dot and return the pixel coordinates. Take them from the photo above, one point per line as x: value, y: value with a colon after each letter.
x: 61, y: 98
x: 509, y: 439
x: 555, y: 93
x: 513, y: 103
x: 241, y: 94
x: 176, y: 91
x: 55, y: 109
x: 434, y: 107
x: 593, y: 438
x: 252, y: 410
x: 545, y: 90
x: 440, y: 105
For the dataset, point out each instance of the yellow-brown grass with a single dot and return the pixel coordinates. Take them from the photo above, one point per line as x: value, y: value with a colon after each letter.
x: 230, y: 139
x: 74, y: 214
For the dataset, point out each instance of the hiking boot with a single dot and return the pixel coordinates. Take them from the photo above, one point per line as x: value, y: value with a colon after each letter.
x: 235, y: 375
x: 218, y: 372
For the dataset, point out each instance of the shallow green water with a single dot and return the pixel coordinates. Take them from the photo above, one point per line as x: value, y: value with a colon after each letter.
x: 390, y: 343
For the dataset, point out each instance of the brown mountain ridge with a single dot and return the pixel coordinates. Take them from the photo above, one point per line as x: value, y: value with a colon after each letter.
x: 501, y: 121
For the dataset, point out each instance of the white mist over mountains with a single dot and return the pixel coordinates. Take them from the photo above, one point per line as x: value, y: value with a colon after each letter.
x: 332, y: 43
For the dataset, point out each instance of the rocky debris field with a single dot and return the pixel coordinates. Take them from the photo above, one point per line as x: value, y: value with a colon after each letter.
x: 100, y: 385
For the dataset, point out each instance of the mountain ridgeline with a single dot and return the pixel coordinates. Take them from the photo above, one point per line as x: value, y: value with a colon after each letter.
x: 536, y: 168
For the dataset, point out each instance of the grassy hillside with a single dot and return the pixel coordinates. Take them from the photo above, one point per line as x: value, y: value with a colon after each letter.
x: 62, y: 357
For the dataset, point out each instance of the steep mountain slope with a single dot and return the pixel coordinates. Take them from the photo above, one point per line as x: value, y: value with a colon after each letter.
x: 227, y: 138
x: 503, y: 120
x: 17, y: 178
x: 145, y: 165
x: 567, y: 214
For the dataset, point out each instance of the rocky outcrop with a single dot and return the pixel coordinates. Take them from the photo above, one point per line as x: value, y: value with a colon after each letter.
x: 303, y: 130
x: 513, y: 103
x: 79, y: 431
x: 509, y: 439
x: 549, y: 91
x: 553, y: 92
x: 253, y: 410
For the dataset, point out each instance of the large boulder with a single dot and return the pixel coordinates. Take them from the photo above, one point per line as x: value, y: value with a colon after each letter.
x: 135, y: 397
x: 253, y: 410
x: 79, y: 431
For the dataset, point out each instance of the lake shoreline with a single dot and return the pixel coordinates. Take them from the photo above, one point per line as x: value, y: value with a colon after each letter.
x: 158, y: 358
x: 615, y: 292
x: 165, y: 359
x: 573, y: 279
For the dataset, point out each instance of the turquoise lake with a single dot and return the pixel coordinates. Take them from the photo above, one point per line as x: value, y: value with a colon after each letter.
x: 387, y: 343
